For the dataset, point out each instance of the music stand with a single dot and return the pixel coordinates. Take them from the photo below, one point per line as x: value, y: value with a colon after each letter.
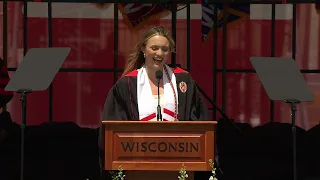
x: 35, y: 73
x: 283, y: 81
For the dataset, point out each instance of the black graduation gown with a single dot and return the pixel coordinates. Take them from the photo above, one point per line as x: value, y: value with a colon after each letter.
x: 121, y: 102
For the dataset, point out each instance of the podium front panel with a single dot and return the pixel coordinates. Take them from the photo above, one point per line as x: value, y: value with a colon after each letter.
x: 139, y: 145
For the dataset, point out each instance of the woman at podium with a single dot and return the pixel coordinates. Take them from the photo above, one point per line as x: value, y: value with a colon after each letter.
x: 150, y: 90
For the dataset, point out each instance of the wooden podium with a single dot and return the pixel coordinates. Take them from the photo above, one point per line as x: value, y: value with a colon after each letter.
x: 158, y: 148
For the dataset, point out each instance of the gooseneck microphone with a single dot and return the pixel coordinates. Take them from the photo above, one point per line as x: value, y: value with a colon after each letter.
x: 159, y: 76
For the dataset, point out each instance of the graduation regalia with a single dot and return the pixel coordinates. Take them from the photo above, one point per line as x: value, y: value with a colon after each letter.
x: 121, y: 102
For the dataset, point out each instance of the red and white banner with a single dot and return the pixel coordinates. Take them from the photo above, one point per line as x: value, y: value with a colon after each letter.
x: 88, y: 30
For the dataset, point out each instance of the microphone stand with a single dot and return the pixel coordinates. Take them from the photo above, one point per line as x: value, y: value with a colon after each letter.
x: 159, y: 115
x: 159, y: 76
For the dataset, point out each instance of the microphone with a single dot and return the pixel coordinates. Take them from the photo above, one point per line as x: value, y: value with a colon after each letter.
x: 159, y: 76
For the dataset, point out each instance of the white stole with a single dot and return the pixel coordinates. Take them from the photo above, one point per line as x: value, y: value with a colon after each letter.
x: 147, y: 111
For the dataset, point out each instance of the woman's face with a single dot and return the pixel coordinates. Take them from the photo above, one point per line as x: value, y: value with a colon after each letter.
x: 157, y: 51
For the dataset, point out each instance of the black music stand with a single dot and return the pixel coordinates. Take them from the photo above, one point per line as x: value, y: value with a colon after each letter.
x: 35, y: 73
x: 283, y: 81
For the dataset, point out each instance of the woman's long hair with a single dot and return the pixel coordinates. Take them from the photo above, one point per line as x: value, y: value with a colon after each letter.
x: 136, y: 58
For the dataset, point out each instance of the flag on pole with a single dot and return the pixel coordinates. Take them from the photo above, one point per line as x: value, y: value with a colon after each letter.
x: 137, y: 14
x: 208, y: 18
x: 235, y: 12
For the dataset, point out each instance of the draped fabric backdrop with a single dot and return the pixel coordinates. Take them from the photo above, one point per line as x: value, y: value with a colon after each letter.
x: 88, y: 30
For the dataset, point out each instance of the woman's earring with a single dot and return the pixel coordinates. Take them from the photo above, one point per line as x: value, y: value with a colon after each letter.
x: 144, y: 55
